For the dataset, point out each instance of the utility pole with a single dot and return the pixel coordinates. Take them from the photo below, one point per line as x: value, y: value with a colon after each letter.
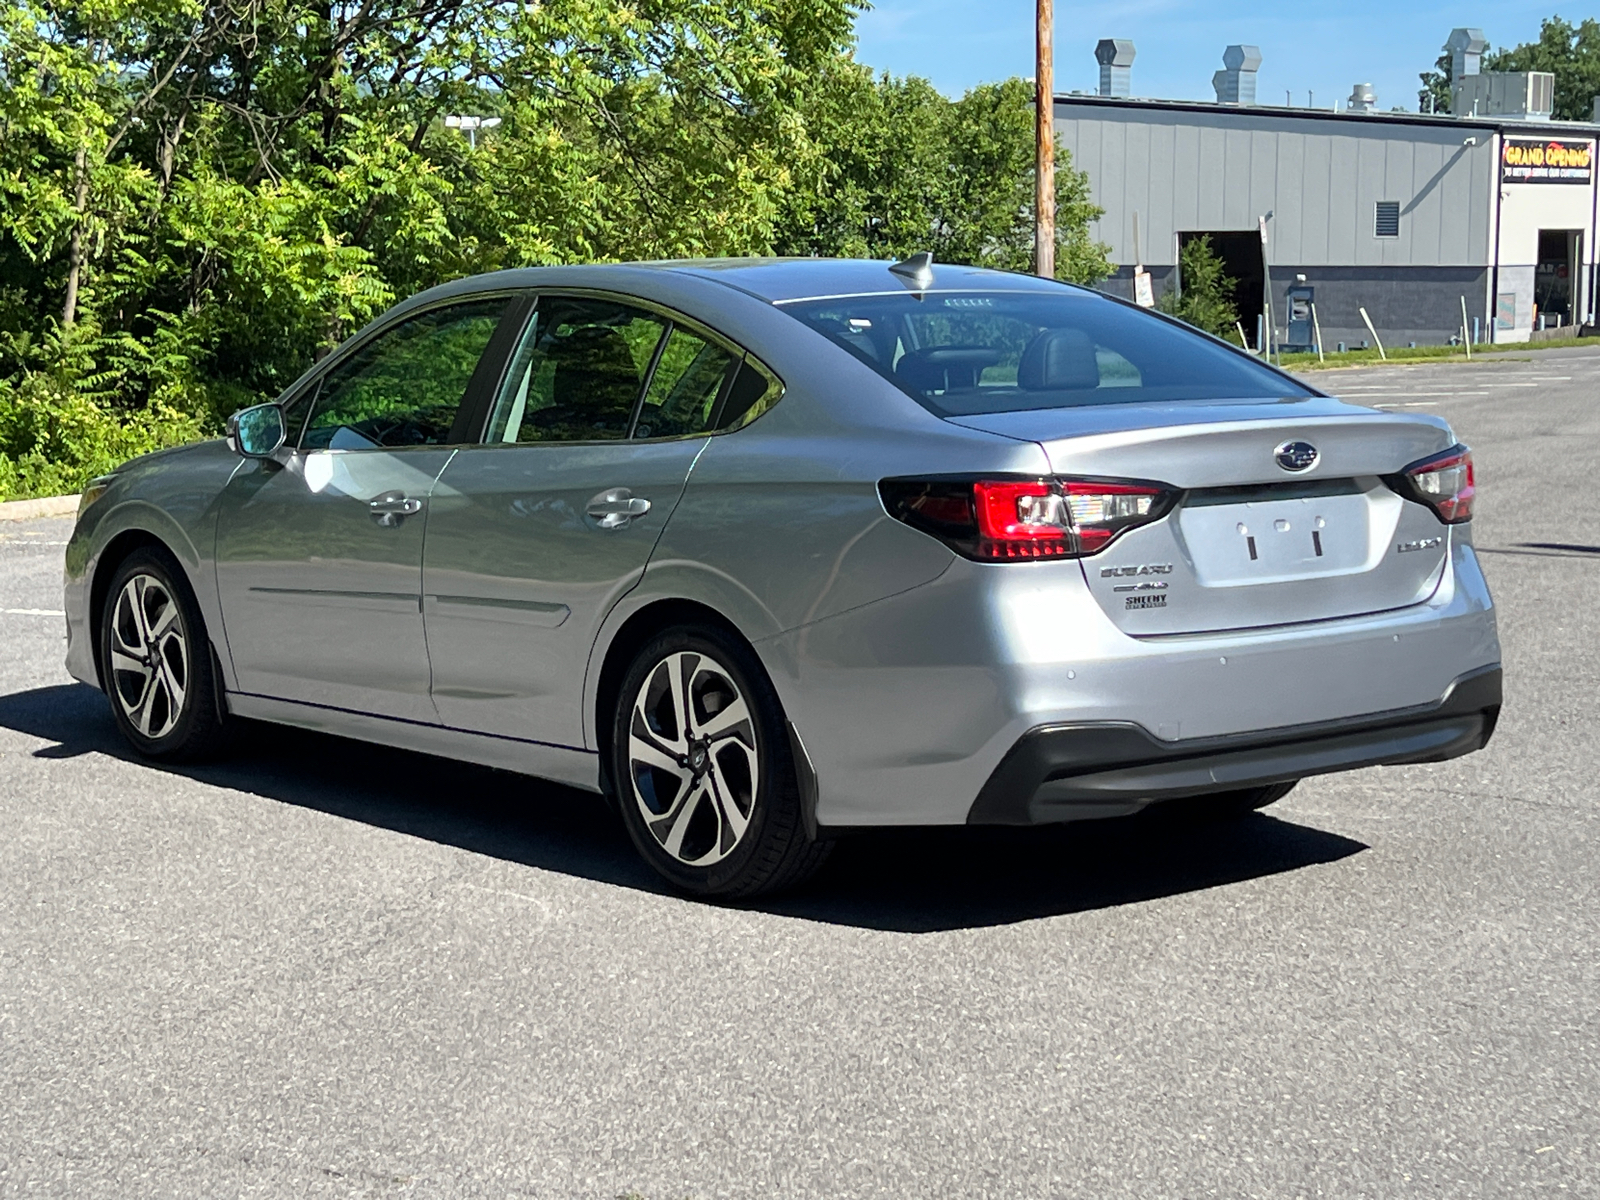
x: 1044, y: 195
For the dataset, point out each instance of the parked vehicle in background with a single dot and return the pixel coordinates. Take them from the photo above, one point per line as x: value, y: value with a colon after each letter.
x: 770, y: 550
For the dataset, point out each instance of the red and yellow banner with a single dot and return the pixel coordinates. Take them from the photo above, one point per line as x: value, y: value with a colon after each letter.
x: 1554, y: 161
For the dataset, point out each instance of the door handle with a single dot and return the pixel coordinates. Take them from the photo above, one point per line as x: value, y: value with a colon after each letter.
x: 615, y: 507
x: 391, y: 508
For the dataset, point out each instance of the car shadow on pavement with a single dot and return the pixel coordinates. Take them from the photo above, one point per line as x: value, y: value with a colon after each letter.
x: 912, y: 880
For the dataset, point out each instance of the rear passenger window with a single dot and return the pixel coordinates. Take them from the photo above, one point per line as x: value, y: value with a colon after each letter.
x: 684, y: 390
x: 578, y: 373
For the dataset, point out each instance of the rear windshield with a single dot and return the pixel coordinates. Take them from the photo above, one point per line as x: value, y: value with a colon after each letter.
x: 966, y: 353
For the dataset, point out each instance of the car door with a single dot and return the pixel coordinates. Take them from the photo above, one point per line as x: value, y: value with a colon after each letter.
x: 535, y: 533
x: 319, y: 554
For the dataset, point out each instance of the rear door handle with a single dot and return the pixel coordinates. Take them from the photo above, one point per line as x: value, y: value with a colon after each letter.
x: 391, y: 508
x: 615, y: 507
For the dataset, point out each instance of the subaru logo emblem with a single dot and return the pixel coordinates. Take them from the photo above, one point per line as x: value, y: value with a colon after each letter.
x: 1296, y: 456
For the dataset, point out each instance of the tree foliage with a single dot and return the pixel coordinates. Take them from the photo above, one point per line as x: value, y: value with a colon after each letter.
x: 1569, y: 52
x: 1206, y: 301
x: 199, y: 197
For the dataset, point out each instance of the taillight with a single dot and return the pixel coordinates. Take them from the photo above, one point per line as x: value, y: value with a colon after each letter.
x: 1017, y: 520
x: 1444, y: 482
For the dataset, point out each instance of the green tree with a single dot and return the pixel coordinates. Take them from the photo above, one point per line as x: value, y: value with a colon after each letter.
x: 199, y: 197
x: 1434, y: 97
x: 1206, y: 301
x: 1569, y: 52
x: 906, y: 169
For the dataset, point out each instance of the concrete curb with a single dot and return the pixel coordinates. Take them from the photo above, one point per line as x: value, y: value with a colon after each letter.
x: 47, y: 506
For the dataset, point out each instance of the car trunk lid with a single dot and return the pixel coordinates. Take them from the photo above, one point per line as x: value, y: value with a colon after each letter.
x: 1250, y: 543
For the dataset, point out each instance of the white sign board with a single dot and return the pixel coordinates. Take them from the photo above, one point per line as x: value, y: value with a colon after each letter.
x: 1143, y: 294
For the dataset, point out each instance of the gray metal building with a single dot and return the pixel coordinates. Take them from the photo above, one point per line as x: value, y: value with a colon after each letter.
x: 1406, y: 215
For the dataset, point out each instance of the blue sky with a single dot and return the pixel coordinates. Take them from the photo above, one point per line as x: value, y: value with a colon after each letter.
x: 1321, y: 47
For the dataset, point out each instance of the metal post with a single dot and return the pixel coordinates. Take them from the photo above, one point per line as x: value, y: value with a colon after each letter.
x: 1317, y: 325
x: 1465, y: 338
x: 1374, y: 334
x: 1044, y: 195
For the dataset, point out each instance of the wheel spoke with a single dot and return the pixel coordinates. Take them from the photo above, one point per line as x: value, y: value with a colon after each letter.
x: 732, y: 721
x: 140, y: 585
x: 127, y: 665
x: 677, y: 821
x: 128, y: 605
x: 175, y: 690
x: 680, y: 671
x: 643, y: 748
x: 144, y: 710
x: 163, y: 623
x: 734, y: 821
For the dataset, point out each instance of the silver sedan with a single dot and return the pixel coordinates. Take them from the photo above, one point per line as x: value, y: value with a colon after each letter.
x: 765, y: 551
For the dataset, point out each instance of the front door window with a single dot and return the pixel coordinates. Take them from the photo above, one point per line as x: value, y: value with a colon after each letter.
x: 405, y: 387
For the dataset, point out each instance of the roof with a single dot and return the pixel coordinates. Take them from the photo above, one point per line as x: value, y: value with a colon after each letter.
x: 1285, y: 112
x: 778, y: 280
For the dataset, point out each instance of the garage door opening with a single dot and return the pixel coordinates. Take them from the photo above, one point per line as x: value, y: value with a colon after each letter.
x: 1240, y: 251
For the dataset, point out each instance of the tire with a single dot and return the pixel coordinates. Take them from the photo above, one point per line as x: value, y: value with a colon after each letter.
x: 156, y: 661
x: 704, y: 776
x: 1230, y: 806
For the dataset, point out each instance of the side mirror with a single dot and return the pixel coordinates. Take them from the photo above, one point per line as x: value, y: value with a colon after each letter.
x: 257, y: 432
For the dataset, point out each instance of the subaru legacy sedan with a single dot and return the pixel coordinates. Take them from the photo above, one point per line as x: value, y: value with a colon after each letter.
x: 769, y: 550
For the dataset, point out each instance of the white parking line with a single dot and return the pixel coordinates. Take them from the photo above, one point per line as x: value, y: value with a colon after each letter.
x: 32, y: 612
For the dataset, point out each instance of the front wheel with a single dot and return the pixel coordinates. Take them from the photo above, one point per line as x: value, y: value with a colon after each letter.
x: 155, y: 661
x: 705, y: 777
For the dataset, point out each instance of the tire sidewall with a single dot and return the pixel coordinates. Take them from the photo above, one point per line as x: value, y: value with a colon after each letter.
x: 774, y: 786
x: 198, y: 695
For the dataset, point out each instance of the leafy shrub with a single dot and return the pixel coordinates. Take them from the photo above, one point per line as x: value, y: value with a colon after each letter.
x: 54, y: 439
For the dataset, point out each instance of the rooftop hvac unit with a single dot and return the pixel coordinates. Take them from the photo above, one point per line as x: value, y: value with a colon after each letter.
x: 1523, y: 95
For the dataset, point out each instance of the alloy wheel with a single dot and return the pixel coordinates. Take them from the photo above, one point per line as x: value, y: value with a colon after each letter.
x: 149, y: 656
x: 692, y: 758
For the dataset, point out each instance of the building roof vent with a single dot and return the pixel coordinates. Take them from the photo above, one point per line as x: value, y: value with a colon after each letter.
x: 1362, y: 98
x: 1115, y: 56
x: 1236, y: 82
x: 1465, y: 47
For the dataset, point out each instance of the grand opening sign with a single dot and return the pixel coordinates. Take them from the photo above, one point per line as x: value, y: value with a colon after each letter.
x: 1554, y: 161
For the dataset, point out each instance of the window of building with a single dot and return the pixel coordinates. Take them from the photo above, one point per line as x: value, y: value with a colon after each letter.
x: 1387, y: 221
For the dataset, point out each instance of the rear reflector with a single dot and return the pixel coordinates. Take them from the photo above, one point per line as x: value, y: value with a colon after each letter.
x: 1024, y: 520
x: 1444, y: 482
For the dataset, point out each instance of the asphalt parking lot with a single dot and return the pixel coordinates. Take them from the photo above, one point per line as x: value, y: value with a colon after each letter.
x: 323, y: 969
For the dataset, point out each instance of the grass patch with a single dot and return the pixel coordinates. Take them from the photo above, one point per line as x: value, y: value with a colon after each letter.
x: 1351, y: 358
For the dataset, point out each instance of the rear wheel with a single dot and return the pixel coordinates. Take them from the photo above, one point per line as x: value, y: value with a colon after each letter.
x: 155, y: 661
x: 705, y: 778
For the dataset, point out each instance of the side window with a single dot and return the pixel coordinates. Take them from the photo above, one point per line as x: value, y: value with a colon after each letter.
x: 404, y: 387
x: 683, y: 391
x: 751, y: 395
x: 578, y: 372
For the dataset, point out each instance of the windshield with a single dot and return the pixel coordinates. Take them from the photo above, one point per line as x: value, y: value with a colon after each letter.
x: 962, y: 354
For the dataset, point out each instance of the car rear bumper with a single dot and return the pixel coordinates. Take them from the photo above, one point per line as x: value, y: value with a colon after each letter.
x: 1080, y: 771
x: 909, y: 705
